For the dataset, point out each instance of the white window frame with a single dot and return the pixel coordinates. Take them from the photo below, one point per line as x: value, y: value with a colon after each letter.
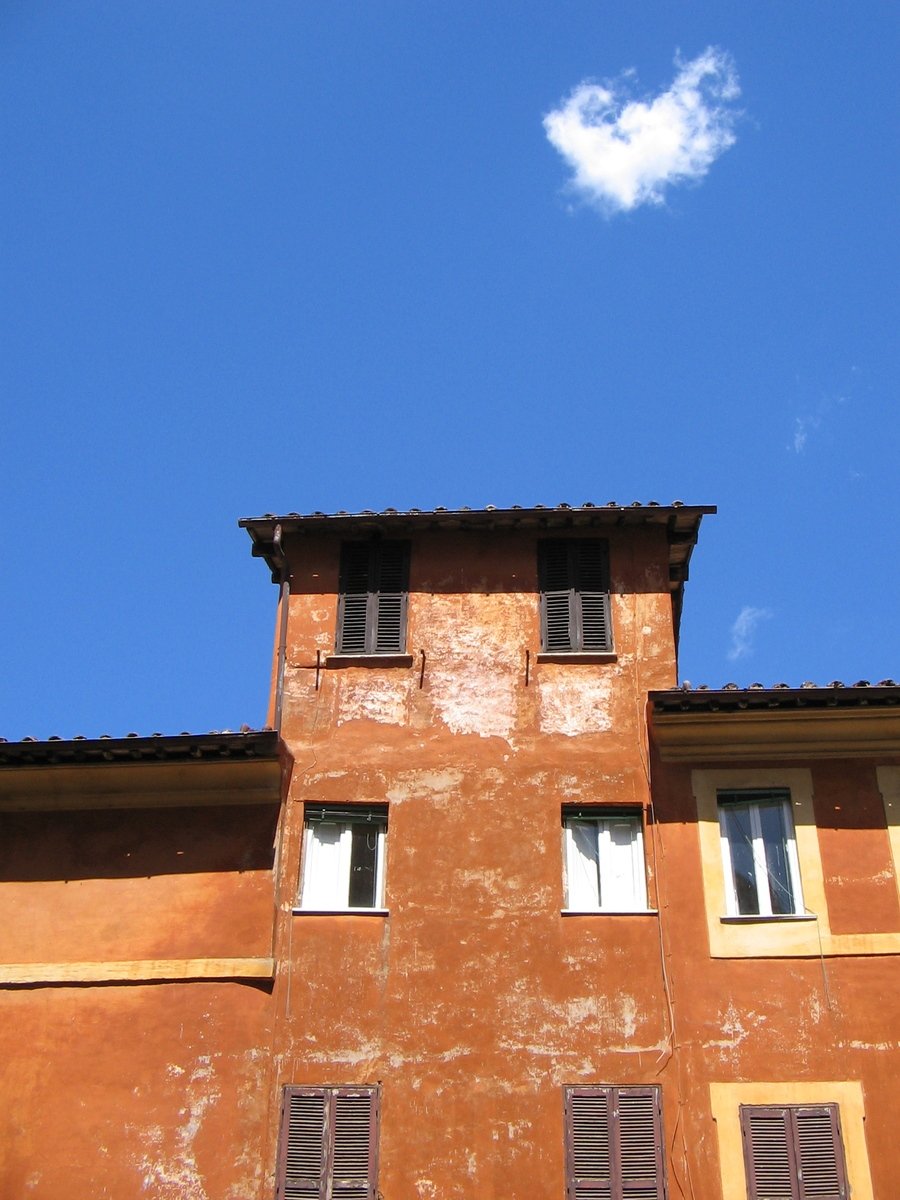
x: 325, y: 878
x: 754, y: 801
x: 580, y: 896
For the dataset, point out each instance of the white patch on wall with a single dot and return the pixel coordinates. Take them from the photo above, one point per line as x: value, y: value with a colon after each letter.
x: 473, y: 664
x: 573, y: 702
x: 176, y: 1176
x: 628, y: 1015
x: 383, y: 700
x: 438, y: 788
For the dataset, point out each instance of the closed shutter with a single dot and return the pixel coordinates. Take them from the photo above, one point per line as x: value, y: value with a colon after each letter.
x: 793, y: 1153
x: 614, y: 1147
x: 353, y: 605
x: 373, y: 597
x: 558, y: 630
x: 391, y: 583
x: 574, y: 582
x: 592, y: 584
x: 328, y: 1144
x: 302, y: 1153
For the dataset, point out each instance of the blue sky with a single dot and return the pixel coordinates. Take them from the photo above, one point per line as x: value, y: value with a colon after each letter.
x: 295, y: 256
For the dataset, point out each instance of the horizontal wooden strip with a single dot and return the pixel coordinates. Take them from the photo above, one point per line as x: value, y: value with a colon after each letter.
x: 137, y: 970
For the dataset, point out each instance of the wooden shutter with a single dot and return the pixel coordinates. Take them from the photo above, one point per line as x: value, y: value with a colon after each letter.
x: 303, y: 1145
x: 391, y: 590
x: 328, y: 1144
x: 354, y: 1144
x: 353, y: 604
x: 591, y: 570
x: 574, y: 582
x: 373, y: 597
x: 558, y: 631
x: 793, y: 1153
x: 614, y: 1148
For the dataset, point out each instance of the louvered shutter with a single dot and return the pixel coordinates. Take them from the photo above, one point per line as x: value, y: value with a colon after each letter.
x: 589, y: 1144
x: 574, y: 582
x: 303, y: 1145
x: 558, y: 632
x: 614, y: 1144
x: 820, y: 1153
x: 391, y: 584
x: 353, y: 1162
x: 328, y: 1144
x: 353, y: 604
x: 638, y: 1116
x: 793, y: 1153
x: 591, y: 570
x: 373, y: 597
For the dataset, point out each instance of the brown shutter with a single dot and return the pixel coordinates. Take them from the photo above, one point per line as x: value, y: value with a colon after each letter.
x: 589, y: 1167
x: 391, y: 591
x: 328, y: 1147
x: 614, y: 1148
x: 354, y: 1164
x: 353, y: 603
x: 574, y: 583
x: 793, y: 1153
x: 373, y: 588
x: 303, y: 1145
x: 639, y: 1143
x: 591, y: 568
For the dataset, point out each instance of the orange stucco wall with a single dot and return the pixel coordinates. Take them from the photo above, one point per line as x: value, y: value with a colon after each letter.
x: 474, y: 999
x: 784, y: 1020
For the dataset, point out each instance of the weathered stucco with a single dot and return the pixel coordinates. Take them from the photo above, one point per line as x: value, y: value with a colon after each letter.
x: 474, y: 998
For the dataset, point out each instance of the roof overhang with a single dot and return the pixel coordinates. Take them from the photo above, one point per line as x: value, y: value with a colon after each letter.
x: 681, y: 523
x: 770, y: 724
x: 178, y: 771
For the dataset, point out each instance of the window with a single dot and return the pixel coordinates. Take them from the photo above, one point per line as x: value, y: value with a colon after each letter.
x: 604, y: 861
x: 343, y: 858
x: 794, y: 1152
x: 614, y: 1145
x: 374, y: 580
x: 574, y: 581
x: 759, y: 854
x: 328, y: 1144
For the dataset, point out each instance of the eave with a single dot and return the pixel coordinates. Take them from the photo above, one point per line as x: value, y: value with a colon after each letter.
x: 161, y: 772
x: 752, y: 734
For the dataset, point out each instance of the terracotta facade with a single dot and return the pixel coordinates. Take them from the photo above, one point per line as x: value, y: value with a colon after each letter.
x: 164, y: 979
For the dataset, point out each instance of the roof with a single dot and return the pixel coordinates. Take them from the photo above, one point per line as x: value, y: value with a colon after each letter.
x: 680, y: 521
x: 731, y: 698
x: 157, y: 747
x: 733, y: 725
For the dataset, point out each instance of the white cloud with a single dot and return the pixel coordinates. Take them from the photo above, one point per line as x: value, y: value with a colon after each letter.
x: 743, y: 630
x: 802, y: 426
x: 812, y: 421
x: 625, y: 152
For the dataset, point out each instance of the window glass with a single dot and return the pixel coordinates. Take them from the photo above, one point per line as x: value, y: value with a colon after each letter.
x: 343, y: 859
x: 759, y: 854
x: 604, y: 862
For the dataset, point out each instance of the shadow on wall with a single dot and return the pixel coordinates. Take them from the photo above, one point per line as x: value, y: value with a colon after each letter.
x: 135, y: 843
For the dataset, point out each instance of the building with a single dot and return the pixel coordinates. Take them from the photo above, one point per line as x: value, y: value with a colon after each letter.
x: 498, y: 911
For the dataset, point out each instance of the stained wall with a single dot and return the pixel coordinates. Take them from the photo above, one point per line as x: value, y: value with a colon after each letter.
x: 475, y: 999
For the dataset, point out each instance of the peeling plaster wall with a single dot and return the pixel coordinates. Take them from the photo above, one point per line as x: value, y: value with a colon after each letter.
x: 474, y: 1001
x: 782, y: 1020
x: 141, y: 1091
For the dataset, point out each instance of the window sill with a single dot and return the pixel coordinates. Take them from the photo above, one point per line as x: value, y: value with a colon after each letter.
x: 368, y: 660
x: 340, y: 912
x: 609, y: 912
x: 756, y: 919
x: 577, y: 656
